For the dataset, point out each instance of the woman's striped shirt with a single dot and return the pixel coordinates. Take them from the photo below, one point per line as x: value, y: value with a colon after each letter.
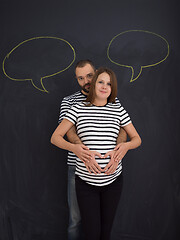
x: 66, y: 104
x: 98, y: 128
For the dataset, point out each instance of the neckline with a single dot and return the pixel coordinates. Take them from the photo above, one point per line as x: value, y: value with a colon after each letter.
x: 100, y: 106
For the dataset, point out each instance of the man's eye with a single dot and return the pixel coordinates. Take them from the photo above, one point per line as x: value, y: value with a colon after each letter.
x: 90, y: 75
x: 80, y: 78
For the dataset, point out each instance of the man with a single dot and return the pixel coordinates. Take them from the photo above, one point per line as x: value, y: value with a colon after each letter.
x: 84, y: 71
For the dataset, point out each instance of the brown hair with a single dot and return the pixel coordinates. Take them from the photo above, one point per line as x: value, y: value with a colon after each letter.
x: 82, y: 63
x: 113, y: 81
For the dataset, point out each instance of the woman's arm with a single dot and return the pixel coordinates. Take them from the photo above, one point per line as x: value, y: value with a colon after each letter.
x: 58, y: 140
x: 122, y: 148
x: 135, y: 140
x: 57, y: 137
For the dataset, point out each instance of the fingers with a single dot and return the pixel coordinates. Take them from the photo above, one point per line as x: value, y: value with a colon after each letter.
x: 107, y: 154
x: 107, y: 166
x: 95, y: 153
x: 94, y: 168
x: 117, y: 157
x: 88, y: 168
x: 117, y: 147
x: 86, y: 157
x: 85, y: 147
x: 112, y: 169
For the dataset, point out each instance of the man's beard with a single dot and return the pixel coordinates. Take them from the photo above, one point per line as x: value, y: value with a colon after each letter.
x: 84, y: 88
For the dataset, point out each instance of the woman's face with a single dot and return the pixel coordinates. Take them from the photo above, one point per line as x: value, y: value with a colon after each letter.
x: 103, y: 86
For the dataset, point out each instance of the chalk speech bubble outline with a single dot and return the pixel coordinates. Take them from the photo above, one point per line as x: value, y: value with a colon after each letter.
x: 41, y: 79
x: 132, y: 69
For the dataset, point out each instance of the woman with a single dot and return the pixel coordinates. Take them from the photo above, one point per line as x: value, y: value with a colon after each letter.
x: 98, y: 122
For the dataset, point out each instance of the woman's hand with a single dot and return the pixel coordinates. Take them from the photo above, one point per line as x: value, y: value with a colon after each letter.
x: 116, y: 156
x: 112, y: 165
x: 92, y: 165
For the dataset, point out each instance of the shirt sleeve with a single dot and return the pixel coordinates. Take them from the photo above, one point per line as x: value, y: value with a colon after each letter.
x: 117, y: 101
x: 72, y: 114
x: 65, y: 106
x: 124, y: 117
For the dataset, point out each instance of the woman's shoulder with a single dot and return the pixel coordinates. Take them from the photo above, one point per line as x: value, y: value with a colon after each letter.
x: 114, y: 105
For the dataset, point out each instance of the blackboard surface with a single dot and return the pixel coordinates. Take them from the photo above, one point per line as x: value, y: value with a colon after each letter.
x: 40, y: 42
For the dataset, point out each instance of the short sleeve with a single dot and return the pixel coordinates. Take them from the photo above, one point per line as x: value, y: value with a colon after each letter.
x: 124, y: 117
x: 65, y: 106
x: 72, y: 114
x: 117, y: 100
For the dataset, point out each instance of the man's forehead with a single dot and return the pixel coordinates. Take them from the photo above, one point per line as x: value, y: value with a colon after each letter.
x: 80, y: 71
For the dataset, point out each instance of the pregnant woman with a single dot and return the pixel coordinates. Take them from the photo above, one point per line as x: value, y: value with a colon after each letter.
x: 98, y: 121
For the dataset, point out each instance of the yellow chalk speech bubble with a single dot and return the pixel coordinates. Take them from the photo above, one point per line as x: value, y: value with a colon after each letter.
x: 133, y: 77
x: 43, y: 77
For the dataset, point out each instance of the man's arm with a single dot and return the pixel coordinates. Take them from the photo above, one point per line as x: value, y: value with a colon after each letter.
x: 72, y: 136
x: 122, y: 137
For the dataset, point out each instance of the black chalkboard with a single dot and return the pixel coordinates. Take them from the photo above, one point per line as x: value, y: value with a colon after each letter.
x: 40, y: 43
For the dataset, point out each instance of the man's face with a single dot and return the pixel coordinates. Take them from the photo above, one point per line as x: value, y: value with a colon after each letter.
x: 84, y: 76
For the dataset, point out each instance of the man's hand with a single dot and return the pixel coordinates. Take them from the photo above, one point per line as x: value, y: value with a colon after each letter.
x: 92, y: 166
x: 112, y: 165
x: 82, y: 152
x: 120, y: 151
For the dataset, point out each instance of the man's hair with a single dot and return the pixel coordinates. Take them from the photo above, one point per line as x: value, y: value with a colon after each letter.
x: 113, y: 81
x: 82, y: 63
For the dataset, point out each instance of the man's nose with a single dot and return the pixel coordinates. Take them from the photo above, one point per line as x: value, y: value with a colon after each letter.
x: 86, y: 80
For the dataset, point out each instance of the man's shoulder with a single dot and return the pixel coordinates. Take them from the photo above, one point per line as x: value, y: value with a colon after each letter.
x: 72, y: 96
x: 77, y: 96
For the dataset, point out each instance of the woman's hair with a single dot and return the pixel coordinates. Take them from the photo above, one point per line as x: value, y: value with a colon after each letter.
x: 111, y: 99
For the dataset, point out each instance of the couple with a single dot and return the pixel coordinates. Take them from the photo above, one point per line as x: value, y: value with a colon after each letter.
x: 98, y: 120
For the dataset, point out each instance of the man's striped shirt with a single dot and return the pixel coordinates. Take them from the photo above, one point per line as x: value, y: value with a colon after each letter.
x: 98, y: 128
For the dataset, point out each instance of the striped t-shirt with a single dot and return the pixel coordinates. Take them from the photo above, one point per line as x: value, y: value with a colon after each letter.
x: 98, y: 128
x: 66, y: 104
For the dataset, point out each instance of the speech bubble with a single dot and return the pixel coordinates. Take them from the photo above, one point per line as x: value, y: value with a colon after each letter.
x: 38, y: 58
x: 137, y: 49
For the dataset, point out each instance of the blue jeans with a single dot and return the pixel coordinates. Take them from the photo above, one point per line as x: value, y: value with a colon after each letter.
x: 74, y: 228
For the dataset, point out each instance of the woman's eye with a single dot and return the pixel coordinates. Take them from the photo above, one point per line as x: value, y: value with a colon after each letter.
x: 109, y: 84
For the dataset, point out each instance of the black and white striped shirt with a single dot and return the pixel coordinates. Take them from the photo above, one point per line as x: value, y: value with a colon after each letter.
x: 98, y: 128
x: 66, y: 104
